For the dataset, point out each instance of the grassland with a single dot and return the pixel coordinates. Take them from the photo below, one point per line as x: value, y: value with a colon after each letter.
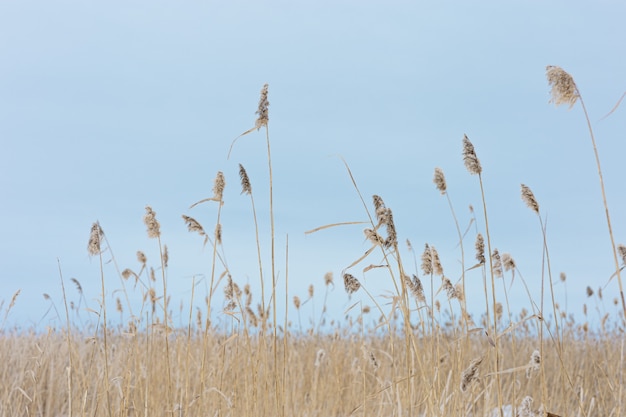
x: 420, y: 353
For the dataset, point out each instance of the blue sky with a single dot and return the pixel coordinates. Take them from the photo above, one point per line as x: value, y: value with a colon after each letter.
x: 108, y: 107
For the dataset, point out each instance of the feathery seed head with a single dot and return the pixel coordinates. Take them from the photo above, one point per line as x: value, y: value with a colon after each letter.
x: 472, y: 163
x: 246, y: 188
x: 449, y: 288
x: 193, y: 225
x: 95, y: 237
x: 480, y: 249
x: 497, y: 263
x: 374, y: 237
x: 154, y: 228
x: 508, y: 262
x: 166, y: 255
x: 263, y: 110
x: 328, y: 278
x: 141, y: 257
x: 351, y: 284
x: 470, y: 374
x: 427, y: 260
x: 79, y: 287
x: 437, y: 268
x: 562, y: 86
x: 440, y: 180
x: 417, y: 289
x: 218, y: 233
x: 529, y: 198
x: 218, y: 186
x: 296, y: 302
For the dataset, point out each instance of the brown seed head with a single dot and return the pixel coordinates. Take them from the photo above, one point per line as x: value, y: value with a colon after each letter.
x: 497, y: 263
x: 95, y: 237
x: 218, y: 233
x: 328, y: 278
x: 472, y: 163
x: 193, y: 225
x: 508, y: 262
x: 296, y: 302
x: 166, y: 256
x: 141, y: 257
x: 562, y: 86
x: 449, y: 288
x: 79, y: 287
x: 263, y: 110
x: 589, y: 291
x: 246, y: 188
x: 480, y: 249
x: 153, y: 226
x: 529, y: 198
x: 440, y: 180
x: 218, y: 186
x: 417, y: 289
x: 437, y: 268
x: 427, y: 260
x: 351, y: 284
x: 470, y: 374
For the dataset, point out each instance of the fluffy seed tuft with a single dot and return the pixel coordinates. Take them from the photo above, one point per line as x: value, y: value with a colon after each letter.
x: 562, y: 86
x: 529, y: 198
x: 472, y: 163
x: 440, y: 180
x: 263, y: 110
x: 152, y: 224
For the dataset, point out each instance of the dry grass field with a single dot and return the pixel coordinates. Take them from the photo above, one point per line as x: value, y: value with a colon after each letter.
x: 418, y: 354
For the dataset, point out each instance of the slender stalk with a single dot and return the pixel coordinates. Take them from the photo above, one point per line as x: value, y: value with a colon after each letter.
x: 606, y: 207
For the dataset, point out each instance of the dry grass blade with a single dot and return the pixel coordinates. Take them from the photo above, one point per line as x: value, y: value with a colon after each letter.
x: 615, y: 107
x: 365, y: 255
x: 328, y: 226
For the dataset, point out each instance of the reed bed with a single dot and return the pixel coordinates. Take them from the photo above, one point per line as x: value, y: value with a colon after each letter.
x: 417, y: 351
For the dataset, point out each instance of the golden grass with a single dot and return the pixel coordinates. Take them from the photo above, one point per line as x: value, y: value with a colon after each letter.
x: 418, y: 353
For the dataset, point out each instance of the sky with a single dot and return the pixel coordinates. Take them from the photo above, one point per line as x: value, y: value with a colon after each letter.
x: 106, y: 107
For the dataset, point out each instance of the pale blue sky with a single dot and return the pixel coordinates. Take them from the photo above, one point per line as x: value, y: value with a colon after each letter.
x: 107, y: 107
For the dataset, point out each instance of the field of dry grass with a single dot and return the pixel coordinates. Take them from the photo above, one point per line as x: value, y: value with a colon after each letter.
x: 420, y: 353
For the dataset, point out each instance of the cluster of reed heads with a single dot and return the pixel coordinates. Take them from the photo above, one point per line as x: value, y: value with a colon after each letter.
x: 424, y: 355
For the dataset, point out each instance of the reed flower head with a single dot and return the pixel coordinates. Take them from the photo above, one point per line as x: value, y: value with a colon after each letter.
x: 416, y: 288
x: 562, y: 86
x: 246, y: 188
x: 95, y: 237
x: 480, y: 249
x: 472, y: 163
x: 529, y: 198
x: 328, y: 278
x: 497, y: 263
x: 437, y: 268
x: 263, y: 110
x: 374, y: 237
x: 351, y: 284
x: 154, y: 228
x: 440, y: 180
x: 470, y: 374
x: 449, y: 288
x: 218, y: 186
x: 427, y: 260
